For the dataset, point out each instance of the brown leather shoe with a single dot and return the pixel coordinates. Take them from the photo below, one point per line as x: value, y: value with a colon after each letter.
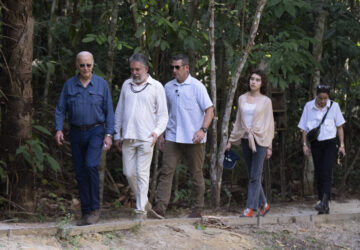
x: 84, y: 220
x: 93, y: 217
x: 156, y: 213
x: 195, y: 214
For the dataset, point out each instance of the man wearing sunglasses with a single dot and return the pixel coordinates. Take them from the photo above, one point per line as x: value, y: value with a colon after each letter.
x: 190, y: 115
x: 141, y: 116
x: 86, y: 100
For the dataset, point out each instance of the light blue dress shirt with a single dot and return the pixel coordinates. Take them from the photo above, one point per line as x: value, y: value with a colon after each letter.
x: 187, y: 103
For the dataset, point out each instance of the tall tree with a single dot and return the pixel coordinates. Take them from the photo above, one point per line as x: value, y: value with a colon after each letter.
x: 213, y: 170
x: 16, y: 75
x: 317, y: 54
x: 109, y: 78
x: 217, y: 176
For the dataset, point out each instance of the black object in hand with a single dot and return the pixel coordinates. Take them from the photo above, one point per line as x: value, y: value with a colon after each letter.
x: 341, y: 155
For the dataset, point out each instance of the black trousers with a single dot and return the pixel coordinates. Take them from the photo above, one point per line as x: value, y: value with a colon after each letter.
x: 324, y: 156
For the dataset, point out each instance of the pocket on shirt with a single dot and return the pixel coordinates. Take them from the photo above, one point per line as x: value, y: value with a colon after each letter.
x: 72, y: 101
x: 329, y: 125
x: 96, y: 98
x: 188, y: 102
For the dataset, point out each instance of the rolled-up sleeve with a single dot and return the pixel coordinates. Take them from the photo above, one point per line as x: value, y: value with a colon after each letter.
x: 162, y: 115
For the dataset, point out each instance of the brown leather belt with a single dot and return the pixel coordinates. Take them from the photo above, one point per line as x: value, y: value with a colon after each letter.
x: 86, y: 127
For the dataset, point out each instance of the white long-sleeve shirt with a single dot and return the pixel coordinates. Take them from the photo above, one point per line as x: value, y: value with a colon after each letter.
x: 139, y: 114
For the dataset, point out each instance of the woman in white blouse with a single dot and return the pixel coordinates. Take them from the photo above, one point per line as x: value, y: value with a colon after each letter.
x: 254, y: 129
x: 323, y: 149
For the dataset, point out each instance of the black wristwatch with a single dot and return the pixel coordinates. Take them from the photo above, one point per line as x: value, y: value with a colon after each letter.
x: 204, y: 129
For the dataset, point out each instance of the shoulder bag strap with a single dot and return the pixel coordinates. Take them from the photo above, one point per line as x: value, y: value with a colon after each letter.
x: 323, y: 119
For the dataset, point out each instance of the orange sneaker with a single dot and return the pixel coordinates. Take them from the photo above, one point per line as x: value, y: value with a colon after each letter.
x: 265, y: 210
x: 247, y: 213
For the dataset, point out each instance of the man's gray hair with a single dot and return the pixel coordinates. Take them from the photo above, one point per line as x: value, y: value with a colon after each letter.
x: 182, y: 57
x: 84, y: 53
x: 138, y: 57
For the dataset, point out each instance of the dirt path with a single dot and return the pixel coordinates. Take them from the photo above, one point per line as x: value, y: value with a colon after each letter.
x: 213, y: 233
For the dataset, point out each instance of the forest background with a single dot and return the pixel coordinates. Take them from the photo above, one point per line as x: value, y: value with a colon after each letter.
x: 299, y: 44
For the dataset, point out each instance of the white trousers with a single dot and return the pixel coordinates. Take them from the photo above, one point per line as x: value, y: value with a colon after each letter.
x: 137, y: 157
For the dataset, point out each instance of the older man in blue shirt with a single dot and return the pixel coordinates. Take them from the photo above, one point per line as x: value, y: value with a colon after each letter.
x: 86, y: 99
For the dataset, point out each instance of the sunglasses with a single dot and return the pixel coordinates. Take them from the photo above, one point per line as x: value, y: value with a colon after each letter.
x: 177, y: 67
x: 83, y: 65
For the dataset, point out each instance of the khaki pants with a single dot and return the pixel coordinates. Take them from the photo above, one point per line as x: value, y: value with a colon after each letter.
x: 173, y: 153
x: 137, y: 156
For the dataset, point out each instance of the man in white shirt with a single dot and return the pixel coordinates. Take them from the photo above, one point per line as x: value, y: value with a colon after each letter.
x: 190, y: 114
x: 141, y: 116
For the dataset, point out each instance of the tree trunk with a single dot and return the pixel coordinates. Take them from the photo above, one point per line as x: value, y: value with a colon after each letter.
x: 213, y: 170
x: 109, y: 78
x: 16, y: 56
x: 230, y: 99
x: 317, y: 53
x: 50, y: 48
x: 134, y: 13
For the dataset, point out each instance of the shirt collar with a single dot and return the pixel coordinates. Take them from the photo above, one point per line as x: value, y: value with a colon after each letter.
x: 78, y: 82
x: 187, y: 81
x: 314, y: 105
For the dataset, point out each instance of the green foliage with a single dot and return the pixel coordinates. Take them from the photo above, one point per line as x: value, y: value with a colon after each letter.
x: 101, y: 39
x: 33, y: 152
x: 64, y: 227
x: 200, y: 226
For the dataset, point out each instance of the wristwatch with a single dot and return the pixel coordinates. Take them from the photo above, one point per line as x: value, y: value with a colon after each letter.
x: 109, y: 135
x: 204, y: 129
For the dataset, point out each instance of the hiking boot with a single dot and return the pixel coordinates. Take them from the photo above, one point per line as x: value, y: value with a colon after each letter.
x: 265, y: 210
x: 93, y: 217
x: 248, y: 212
x: 84, y: 220
x: 156, y: 213
x: 195, y: 214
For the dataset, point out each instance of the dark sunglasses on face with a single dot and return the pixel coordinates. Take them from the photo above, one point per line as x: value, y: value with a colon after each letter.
x: 83, y: 65
x: 177, y: 67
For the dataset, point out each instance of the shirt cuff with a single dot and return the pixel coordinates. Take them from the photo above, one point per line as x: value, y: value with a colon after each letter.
x: 117, y: 136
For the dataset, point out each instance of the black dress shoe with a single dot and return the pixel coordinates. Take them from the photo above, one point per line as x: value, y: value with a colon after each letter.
x: 323, y: 206
x: 318, y: 207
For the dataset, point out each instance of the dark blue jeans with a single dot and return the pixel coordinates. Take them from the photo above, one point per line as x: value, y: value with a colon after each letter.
x: 254, y: 162
x: 86, y: 151
x: 324, y: 156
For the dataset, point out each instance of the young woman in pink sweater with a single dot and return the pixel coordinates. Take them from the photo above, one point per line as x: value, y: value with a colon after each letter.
x: 254, y: 130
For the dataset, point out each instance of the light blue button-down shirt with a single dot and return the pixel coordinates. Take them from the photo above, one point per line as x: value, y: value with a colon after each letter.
x: 187, y: 103
x: 312, y: 116
x: 85, y: 106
